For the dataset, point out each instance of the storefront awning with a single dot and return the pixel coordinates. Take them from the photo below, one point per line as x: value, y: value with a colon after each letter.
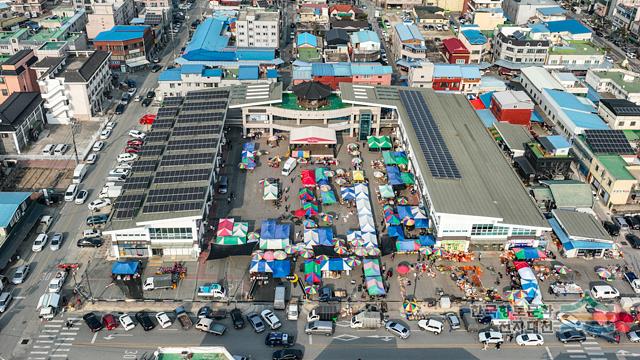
x: 137, y: 62
x: 313, y: 135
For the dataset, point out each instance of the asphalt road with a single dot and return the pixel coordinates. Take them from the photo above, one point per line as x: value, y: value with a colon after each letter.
x: 20, y: 321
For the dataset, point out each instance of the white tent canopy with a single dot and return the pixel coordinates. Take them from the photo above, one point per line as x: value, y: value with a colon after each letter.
x: 313, y: 135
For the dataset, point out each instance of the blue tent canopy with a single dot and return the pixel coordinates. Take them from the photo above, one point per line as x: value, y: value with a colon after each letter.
x: 395, y: 231
x: 426, y: 240
x: 530, y: 253
x: 404, y: 211
x: 328, y: 197
x: 249, y: 146
x: 282, y: 231
x: 347, y: 193
x: 408, y: 245
x: 393, y: 173
x: 261, y: 266
x: 281, y: 268
x: 325, y: 236
x: 125, y: 268
x: 268, y: 229
x: 335, y: 264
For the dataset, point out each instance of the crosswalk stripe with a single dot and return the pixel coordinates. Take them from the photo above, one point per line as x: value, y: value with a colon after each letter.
x: 595, y: 353
x: 575, y: 350
x: 581, y: 356
x: 44, y: 341
x: 53, y: 325
x: 56, y: 321
x: 66, y: 339
x: 69, y: 333
x: 63, y: 344
x: 590, y: 343
x: 41, y: 346
x: 51, y: 330
x: 39, y: 352
x: 61, y: 350
x: 73, y: 318
x: 592, y: 348
x: 572, y: 345
x: 58, y: 355
x: 36, y: 358
x: 46, y: 336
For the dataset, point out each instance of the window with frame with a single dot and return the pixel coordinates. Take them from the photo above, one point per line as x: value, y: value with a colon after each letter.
x: 170, y: 233
x: 489, y: 230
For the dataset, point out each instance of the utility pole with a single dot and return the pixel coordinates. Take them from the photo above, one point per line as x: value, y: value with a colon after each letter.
x: 73, y: 140
x: 89, y: 282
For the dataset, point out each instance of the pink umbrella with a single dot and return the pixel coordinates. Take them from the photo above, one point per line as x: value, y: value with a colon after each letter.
x: 269, y: 256
x: 403, y: 268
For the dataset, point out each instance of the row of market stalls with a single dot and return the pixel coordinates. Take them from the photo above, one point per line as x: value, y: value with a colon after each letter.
x: 247, y: 158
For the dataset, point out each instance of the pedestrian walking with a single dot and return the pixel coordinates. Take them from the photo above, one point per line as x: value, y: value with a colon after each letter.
x: 498, y: 346
x: 393, y: 256
x: 485, y: 345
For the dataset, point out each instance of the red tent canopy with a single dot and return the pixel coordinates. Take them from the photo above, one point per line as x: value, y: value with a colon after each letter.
x: 520, y: 264
x: 477, y: 104
x: 308, y: 178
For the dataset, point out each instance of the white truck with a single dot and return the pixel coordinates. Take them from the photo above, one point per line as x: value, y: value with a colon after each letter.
x: 44, y: 224
x: 48, y: 305
x: 110, y: 191
x: 212, y: 290
x: 158, y: 282
x: 367, y: 320
x: 78, y: 173
x: 279, y: 299
x: 633, y: 280
x: 56, y: 284
x: 293, y: 310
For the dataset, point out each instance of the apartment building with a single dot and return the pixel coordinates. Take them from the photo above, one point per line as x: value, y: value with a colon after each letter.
x: 513, y: 48
x: 76, y: 88
x: 258, y: 28
x: 575, y: 56
x: 471, y: 6
x: 520, y: 11
x: 624, y: 15
x: 475, y: 41
x: 622, y: 84
x: 129, y: 45
x: 29, y: 8
x: 408, y: 43
x: 16, y: 74
x: 620, y: 114
x: 105, y: 14
x: 488, y: 19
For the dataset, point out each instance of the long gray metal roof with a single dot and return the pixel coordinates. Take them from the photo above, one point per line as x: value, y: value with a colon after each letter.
x: 577, y: 224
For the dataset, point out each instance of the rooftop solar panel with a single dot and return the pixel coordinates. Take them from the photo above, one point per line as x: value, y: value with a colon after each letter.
x: 436, y: 152
x: 608, y: 142
x: 180, y: 176
x: 171, y: 207
x: 187, y: 159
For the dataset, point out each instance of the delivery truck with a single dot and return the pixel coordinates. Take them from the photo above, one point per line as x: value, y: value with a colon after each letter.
x: 324, y: 313
x: 159, y: 282
x: 44, y: 224
x: 48, y: 306
x: 212, y: 290
x: 367, y: 320
x: 78, y: 173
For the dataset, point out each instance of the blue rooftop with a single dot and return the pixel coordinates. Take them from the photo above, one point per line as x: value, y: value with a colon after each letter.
x: 571, y: 26
x: 122, y: 33
x: 409, y: 32
x: 538, y: 28
x: 580, y: 112
x: 9, y: 203
x: 175, y: 74
x: 307, y: 39
x: 487, y: 117
x: 556, y: 142
x: 192, y: 69
x: 170, y: 75
x: 348, y: 69
x: 248, y: 73
x: 474, y: 37
x: 364, y: 36
x: 549, y: 11
x: 456, y: 71
x: 207, y: 38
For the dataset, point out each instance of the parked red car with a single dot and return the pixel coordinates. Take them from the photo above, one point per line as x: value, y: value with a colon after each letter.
x: 109, y: 321
x: 135, y: 143
x: 131, y: 150
x: 147, y: 119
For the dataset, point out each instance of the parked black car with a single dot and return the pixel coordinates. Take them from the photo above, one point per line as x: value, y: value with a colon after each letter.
x: 119, y: 109
x: 156, y: 68
x: 325, y: 294
x: 145, y: 321
x: 571, y: 335
x: 633, y: 240
x: 287, y: 354
x: 92, y: 322
x: 237, y: 319
x: 90, y: 242
x: 633, y: 222
x: 97, y: 219
x: 151, y: 94
x: 279, y: 339
x: 612, y: 229
x: 204, y: 312
x: 146, y: 102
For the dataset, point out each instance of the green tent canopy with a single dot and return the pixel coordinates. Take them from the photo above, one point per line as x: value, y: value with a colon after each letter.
x: 230, y: 240
x: 379, y: 142
x: 407, y: 178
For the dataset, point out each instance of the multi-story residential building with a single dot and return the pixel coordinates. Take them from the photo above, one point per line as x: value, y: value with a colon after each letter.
x: 620, y: 114
x: 488, y: 19
x: 258, y: 28
x: 16, y: 74
x: 130, y: 45
x: 76, y: 88
x: 455, y: 52
x: 105, y: 14
x: 421, y: 76
x: 179, y: 81
x: 365, y: 45
x: 335, y: 73
x: 565, y: 30
x: 513, y: 48
x: 555, y: 13
x: 520, y: 11
x: 475, y: 41
x: 546, y: 159
x: 575, y: 56
x: 624, y: 15
x: 21, y: 121
x: 453, y: 78
x: 343, y: 11
x: 471, y: 6
x: 313, y: 15
x: 29, y: 8
x: 622, y: 84
x: 336, y: 46
x: 408, y: 43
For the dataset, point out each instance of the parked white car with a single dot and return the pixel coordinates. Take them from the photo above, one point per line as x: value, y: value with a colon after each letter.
x: 126, y: 157
x: 91, y: 158
x: 163, y: 320
x: 137, y: 134
x: 119, y: 171
x: 570, y: 320
x: 81, y: 197
x: 490, y: 337
x: 97, y: 146
x: 39, y: 243
x: 530, y: 339
x: 127, y: 322
x: 104, y: 134
x: 110, y: 125
x: 98, y: 204
x: 431, y: 325
x: 271, y: 319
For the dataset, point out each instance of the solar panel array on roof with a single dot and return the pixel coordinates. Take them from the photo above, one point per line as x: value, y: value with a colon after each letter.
x: 196, y: 130
x: 144, y: 166
x: 176, y: 197
x: 204, y: 106
x: 151, y: 150
x: 129, y: 201
x: 188, y: 159
x: 157, y: 136
x: 608, y: 142
x: 173, y: 176
x: 387, y: 94
x: 192, y: 144
x: 207, y: 94
x: 436, y: 152
x: 138, y: 182
x: 167, y: 112
x: 172, y: 101
x: 152, y: 19
x: 160, y: 208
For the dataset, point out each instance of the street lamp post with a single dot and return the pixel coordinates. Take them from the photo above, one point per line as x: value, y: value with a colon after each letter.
x: 73, y: 139
x: 89, y: 283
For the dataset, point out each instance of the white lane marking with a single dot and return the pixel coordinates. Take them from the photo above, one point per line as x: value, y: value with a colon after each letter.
x: 598, y: 358
x: 46, y: 336
x: 578, y: 356
x: 73, y: 318
x: 575, y: 350
x: 39, y: 352
x: 63, y: 344
x: 95, y: 335
x: 53, y: 325
x: 572, y: 345
x: 51, y: 330
x: 310, y: 339
x: 58, y: 356
x: 37, y: 358
x: 55, y: 320
x: 41, y: 346
x: 595, y: 353
x: 549, y: 353
x: 44, y: 341
x: 592, y: 348
x: 69, y: 333
x: 590, y: 343
x: 73, y: 328
x: 68, y: 339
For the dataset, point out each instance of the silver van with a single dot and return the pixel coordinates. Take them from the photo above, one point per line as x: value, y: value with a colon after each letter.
x: 319, y: 327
